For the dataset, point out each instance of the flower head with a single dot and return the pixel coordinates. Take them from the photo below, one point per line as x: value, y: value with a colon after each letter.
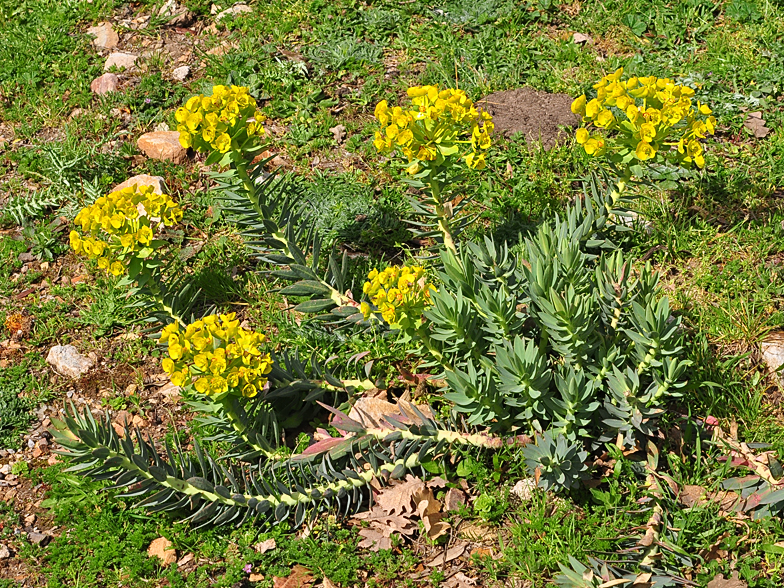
x: 121, y: 224
x: 399, y: 294
x: 643, y: 118
x: 216, y: 356
x: 212, y: 123
x: 440, y: 125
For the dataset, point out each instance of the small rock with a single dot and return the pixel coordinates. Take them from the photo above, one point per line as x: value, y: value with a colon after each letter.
x: 5, y: 469
x: 3, y: 453
x: 26, y: 257
x: 40, y: 539
x: 162, y: 145
x: 524, y: 489
x: 233, y: 11
x: 104, y: 84
x: 162, y: 549
x: 256, y: 578
x: 157, y: 183
x: 5, y: 553
x: 105, y: 36
x: 52, y: 459
x: 339, y: 132
x: 120, y: 61
x: 181, y: 73
x: 67, y: 361
x: 773, y: 353
x: 29, y: 519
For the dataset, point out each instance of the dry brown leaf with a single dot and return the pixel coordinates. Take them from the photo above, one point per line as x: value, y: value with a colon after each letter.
x: 728, y: 502
x: 721, y: 582
x: 387, y: 523
x: 478, y: 533
x: 374, y: 540
x: 756, y: 124
x: 448, y: 555
x: 265, y: 546
x: 459, y: 580
x: 454, y: 499
x: 163, y: 549
x: 398, y: 499
x: 371, y: 411
x: 327, y: 583
x: 256, y: 577
x: 298, y: 578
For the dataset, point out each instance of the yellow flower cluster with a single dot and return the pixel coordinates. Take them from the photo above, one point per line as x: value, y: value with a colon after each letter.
x: 120, y: 223
x: 441, y: 122
x: 649, y: 114
x: 217, y: 356
x: 211, y: 123
x: 401, y: 294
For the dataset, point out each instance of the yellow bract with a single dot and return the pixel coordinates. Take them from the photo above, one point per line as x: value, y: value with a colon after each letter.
x: 122, y: 223
x: 442, y: 124
x: 217, y: 356
x: 209, y: 123
x: 400, y: 295
x: 658, y: 113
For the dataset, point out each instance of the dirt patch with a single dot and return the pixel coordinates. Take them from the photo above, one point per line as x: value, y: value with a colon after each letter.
x: 537, y: 115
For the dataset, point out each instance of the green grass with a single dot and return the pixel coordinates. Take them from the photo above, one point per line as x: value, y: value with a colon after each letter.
x: 718, y: 240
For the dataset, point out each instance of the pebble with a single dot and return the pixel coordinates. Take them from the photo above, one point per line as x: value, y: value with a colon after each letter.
x: 104, y: 84
x: 233, y: 11
x: 162, y: 145
x: 181, y: 73
x: 67, y: 361
x: 157, y: 183
x: 5, y: 469
x: 105, y: 36
x: 40, y: 539
x: 5, y: 553
x: 120, y: 61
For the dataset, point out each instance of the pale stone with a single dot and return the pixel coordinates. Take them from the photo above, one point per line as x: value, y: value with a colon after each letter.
x: 5, y: 553
x: 105, y: 36
x: 104, y: 84
x: 233, y: 11
x: 524, y: 489
x: 157, y: 183
x: 162, y: 145
x: 181, y: 73
x: 67, y: 361
x: 162, y: 549
x: 120, y: 61
x: 772, y: 347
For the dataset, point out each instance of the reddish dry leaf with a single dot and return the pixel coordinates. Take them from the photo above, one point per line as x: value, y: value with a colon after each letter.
x: 298, y: 578
x: 454, y: 499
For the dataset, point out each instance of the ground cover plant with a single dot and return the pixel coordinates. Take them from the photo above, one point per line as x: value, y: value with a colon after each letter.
x: 361, y: 334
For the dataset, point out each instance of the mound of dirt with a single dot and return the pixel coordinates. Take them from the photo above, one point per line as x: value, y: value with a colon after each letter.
x: 537, y: 115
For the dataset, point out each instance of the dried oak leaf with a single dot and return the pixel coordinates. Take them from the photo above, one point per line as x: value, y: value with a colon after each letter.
x: 373, y: 539
x: 756, y: 124
x: 298, y: 578
x: 382, y: 521
x: 721, y: 582
x: 399, y: 499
